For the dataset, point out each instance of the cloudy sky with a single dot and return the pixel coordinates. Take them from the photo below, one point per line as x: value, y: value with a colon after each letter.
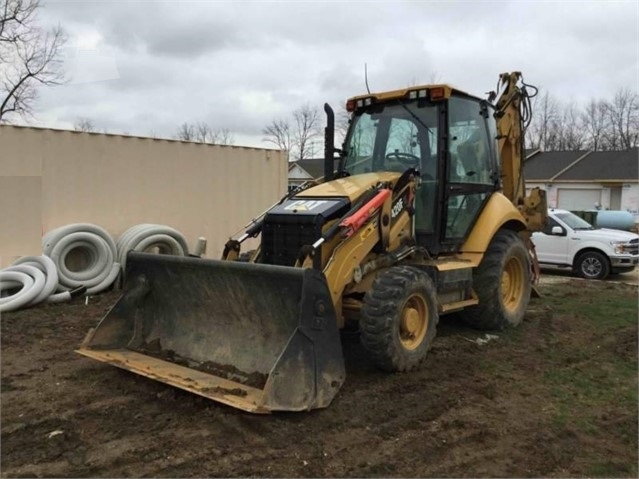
x: 145, y: 67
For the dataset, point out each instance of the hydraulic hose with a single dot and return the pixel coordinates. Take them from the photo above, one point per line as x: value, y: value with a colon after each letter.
x: 83, y: 241
x: 150, y: 238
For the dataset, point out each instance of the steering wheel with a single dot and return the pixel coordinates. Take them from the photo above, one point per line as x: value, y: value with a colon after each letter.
x: 404, y: 158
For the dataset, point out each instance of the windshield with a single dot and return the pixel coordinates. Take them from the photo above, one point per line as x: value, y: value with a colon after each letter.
x: 574, y: 221
x: 393, y: 137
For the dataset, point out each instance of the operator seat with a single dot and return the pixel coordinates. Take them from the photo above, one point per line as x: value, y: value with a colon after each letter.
x: 473, y: 156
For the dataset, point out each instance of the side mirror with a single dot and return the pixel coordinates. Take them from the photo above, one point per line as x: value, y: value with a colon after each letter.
x: 557, y: 231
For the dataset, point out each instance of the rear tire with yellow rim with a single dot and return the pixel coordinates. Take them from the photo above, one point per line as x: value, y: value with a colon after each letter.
x: 399, y: 318
x: 502, y: 282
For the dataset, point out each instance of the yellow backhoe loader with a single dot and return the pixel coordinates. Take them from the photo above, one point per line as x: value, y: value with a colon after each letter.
x: 427, y: 214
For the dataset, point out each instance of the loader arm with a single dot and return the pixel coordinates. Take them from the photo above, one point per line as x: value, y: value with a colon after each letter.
x: 384, y: 228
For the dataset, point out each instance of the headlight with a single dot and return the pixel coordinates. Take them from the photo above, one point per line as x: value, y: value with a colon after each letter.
x: 618, y: 246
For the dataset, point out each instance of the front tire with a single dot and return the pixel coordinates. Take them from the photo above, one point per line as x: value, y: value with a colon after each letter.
x: 592, y: 265
x: 503, y: 284
x: 399, y: 318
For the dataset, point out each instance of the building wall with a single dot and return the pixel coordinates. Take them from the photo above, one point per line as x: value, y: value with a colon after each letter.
x: 50, y: 178
x: 630, y: 197
x: 629, y: 194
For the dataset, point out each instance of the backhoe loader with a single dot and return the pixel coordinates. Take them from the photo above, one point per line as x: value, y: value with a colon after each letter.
x: 426, y: 215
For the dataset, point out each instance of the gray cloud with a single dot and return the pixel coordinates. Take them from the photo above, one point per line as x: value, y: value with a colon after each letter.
x: 239, y: 65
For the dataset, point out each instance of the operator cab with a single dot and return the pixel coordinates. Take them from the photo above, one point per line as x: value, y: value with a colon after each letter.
x: 448, y: 136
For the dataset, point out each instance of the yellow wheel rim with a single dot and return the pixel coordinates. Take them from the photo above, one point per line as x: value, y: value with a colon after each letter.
x: 512, y: 284
x: 414, y: 322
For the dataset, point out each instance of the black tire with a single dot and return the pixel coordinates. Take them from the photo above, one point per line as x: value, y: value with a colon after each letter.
x: 592, y: 265
x: 399, y: 318
x: 503, y: 284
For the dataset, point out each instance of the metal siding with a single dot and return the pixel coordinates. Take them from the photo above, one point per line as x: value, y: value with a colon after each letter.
x: 20, y: 213
x: 117, y: 182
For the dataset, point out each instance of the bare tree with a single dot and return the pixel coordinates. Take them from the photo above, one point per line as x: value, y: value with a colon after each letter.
x: 222, y: 136
x: 201, y: 132
x: 306, y: 130
x: 623, y: 115
x: 594, y: 122
x: 541, y: 133
x: 29, y: 57
x: 186, y: 132
x: 84, y: 124
x: 342, y: 122
x: 570, y: 129
x: 278, y: 132
x: 297, y: 139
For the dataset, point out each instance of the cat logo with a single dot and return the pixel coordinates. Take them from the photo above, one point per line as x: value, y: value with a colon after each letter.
x: 304, y: 205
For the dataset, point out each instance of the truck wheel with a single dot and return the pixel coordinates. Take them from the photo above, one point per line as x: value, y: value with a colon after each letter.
x: 592, y: 265
x: 399, y: 318
x: 502, y: 283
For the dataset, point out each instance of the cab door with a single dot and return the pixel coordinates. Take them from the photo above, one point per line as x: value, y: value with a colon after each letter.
x: 471, y: 169
x: 552, y: 247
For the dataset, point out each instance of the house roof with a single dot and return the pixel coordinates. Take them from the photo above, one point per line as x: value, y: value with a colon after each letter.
x: 545, y: 165
x: 582, y: 166
x: 313, y: 166
x: 531, y: 151
x: 605, y: 165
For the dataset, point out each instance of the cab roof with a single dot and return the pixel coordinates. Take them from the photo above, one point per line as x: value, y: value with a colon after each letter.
x: 438, y: 91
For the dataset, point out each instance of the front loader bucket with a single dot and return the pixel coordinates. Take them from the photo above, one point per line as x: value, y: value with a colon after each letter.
x: 257, y: 337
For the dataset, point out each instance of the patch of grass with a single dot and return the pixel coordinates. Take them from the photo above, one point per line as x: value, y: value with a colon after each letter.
x: 496, y: 367
x: 611, y: 469
x: 600, y: 304
x: 590, y: 368
x: 593, y: 383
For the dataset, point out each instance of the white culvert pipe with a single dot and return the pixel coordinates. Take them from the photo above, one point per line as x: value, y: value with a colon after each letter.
x: 47, y: 266
x: 32, y: 279
x: 84, y: 255
x: 28, y: 279
x: 151, y: 238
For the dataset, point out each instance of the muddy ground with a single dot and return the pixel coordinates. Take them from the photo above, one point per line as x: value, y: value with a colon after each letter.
x: 555, y: 397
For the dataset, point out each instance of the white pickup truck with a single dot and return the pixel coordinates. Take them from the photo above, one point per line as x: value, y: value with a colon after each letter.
x: 569, y: 241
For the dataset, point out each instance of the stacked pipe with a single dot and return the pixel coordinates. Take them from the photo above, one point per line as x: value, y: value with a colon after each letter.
x: 35, y: 279
x: 87, y: 243
x: 82, y: 258
x: 150, y: 238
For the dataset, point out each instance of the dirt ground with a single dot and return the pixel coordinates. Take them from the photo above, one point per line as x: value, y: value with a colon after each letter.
x: 555, y: 397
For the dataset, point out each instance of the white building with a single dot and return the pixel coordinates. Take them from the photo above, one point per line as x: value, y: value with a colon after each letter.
x: 586, y: 180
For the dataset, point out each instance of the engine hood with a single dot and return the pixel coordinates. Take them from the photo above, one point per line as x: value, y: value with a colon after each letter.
x: 605, y: 234
x: 350, y: 187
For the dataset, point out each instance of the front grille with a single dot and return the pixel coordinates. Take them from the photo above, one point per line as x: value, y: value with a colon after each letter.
x: 632, y: 247
x: 284, y: 235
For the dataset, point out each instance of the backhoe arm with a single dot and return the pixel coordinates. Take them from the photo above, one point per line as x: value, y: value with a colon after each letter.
x: 513, y: 115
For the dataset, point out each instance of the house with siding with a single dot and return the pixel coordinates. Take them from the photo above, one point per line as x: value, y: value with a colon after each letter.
x: 574, y: 180
x: 301, y: 171
x: 584, y: 180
